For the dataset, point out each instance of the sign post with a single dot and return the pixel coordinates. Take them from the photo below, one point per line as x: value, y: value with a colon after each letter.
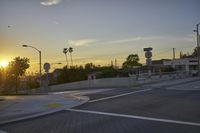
x: 148, y: 55
x: 47, y: 67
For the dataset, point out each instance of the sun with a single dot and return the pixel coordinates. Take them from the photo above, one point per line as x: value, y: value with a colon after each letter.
x: 3, y: 63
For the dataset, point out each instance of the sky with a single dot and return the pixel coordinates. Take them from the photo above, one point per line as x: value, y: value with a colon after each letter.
x: 98, y: 30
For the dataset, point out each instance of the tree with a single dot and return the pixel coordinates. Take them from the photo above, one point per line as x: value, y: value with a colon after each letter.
x: 70, y: 51
x: 17, y: 68
x: 107, y: 72
x: 193, y: 55
x: 1, y: 76
x: 65, y: 50
x: 196, y: 51
x: 131, y: 61
x: 71, y: 75
x: 89, y: 67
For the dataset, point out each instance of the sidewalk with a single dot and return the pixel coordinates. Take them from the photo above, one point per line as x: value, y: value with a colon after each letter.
x: 14, y: 108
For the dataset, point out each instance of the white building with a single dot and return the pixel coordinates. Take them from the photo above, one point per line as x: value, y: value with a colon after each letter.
x: 186, y: 64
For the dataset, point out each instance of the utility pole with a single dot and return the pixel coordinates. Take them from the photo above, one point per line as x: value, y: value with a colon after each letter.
x: 198, y: 47
x: 173, y: 53
x: 40, y: 68
x: 173, y: 65
x: 115, y: 63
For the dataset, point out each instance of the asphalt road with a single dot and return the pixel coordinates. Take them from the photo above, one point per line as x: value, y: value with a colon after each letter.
x: 149, y: 111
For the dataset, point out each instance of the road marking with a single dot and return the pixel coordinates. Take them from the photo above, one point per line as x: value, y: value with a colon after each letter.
x: 196, y: 87
x: 54, y: 105
x: 137, y: 117
x: 120, y: 95
x: 1, y: 131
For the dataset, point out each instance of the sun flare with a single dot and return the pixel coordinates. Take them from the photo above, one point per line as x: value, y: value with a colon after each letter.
x: 3, y: 63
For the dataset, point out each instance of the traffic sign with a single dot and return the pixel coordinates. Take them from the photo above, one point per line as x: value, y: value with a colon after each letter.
x: 148, y: 61
x: 47, y: 66
x: 148, y: 54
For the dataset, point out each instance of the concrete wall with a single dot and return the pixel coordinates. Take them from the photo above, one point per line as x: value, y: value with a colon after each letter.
x: 115, y: 82
x: 111, y: 82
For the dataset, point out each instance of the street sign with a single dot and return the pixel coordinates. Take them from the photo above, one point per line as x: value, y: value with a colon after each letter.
x: 148, y: 49
x: 148, y: 61
x: 46, y: 67
x: 148, y: 54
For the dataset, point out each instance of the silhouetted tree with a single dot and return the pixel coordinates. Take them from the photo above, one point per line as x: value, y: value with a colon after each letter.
x: 65, y: 50
x: 131, y: 61
x: 70, y: 51
x: 71, y: 75
x: 1, y: 76
x: 193, y: 55
x: 89, y: 67
x: 17, y: 68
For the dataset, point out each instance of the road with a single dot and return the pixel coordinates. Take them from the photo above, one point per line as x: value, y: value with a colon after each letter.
x: 143, y: 110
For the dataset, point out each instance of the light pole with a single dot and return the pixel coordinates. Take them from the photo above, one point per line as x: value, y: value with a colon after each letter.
x: 198, y: 47
x: 40, y: 63
x: 59, y: 63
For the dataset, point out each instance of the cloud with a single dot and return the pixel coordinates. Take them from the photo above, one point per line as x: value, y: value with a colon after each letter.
x: 50, y: 2
x: 125, y: 40
x: 132, y: 39
x: 188, y: 38
x: 55, y: 22
x: 84, y: 42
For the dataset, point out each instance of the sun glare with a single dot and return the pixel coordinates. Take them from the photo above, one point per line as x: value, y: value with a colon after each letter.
x: 3, y: 63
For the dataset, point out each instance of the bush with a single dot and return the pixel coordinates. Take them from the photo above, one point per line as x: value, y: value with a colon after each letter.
x: 33, y: 84
x: 167, y: 69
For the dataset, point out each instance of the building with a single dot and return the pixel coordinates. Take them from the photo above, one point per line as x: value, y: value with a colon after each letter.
x: 186, y: 64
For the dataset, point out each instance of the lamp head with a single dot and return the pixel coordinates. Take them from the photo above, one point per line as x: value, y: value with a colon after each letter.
x: 24, y: 45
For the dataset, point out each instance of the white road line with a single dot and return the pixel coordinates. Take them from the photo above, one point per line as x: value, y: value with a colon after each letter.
x: 120, y: 95
x: 137, y: 117
x: 1, y: 131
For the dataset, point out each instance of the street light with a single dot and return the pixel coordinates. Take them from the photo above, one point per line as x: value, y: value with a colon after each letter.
x: 59, y: 63
x: 40, y: 64
x: 198, y: 47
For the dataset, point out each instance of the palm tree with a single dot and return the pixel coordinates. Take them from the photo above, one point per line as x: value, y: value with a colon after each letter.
x: 70, y: 51
x: 65, y: 50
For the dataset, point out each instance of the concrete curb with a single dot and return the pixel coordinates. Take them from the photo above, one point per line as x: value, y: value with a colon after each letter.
x: 84, y: 99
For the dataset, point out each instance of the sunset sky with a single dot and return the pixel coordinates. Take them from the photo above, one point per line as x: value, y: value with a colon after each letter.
x: 98, y: 30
